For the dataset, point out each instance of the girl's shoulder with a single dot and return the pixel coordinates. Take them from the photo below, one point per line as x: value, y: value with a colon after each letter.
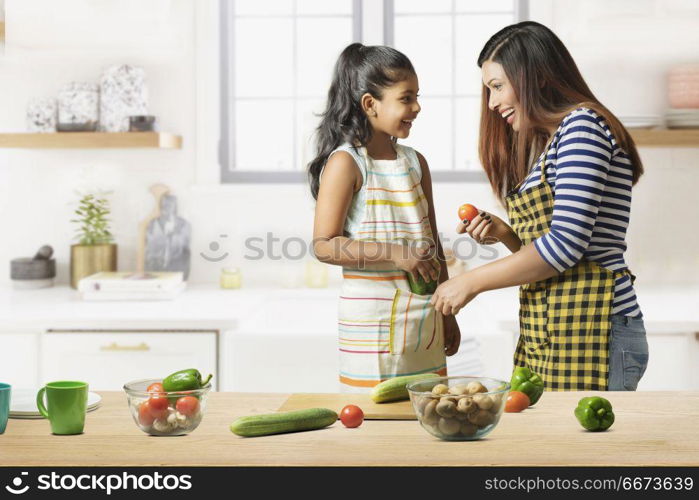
x: 353, y: 156
x: 413, y: 158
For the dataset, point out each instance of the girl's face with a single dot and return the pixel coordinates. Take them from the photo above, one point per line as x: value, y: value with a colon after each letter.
x: 395, y: 112
x: 502, y: 98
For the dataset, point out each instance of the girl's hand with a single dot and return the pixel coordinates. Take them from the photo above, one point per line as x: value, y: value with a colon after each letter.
x: 486, y: 229
x: 454, y: 294
x: 415, y: 260
x: 452, y: 335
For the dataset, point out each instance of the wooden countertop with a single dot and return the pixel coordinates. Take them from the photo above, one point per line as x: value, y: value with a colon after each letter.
x: 651, y: 428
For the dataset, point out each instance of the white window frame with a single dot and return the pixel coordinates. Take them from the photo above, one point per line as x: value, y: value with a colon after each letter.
x: 373, y: 24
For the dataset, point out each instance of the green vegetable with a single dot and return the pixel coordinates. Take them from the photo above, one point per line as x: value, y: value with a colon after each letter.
x: 595, y: 413
x: 420, y: 287
x: 279, y: 423
x: 185, y: 380
x: 394, y: 389
x: 526, y: 381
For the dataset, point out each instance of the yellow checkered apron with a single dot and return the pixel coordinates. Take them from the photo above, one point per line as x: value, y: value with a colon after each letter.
x: 564, y: 320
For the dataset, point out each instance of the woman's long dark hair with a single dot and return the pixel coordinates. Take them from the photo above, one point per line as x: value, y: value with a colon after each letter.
x: 548, y: 85
x: 359, y: 70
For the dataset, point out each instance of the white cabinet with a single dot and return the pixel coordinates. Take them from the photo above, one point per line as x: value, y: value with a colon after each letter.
x: 109, y: 359
x: 672, y: 363
x: 18, y: 359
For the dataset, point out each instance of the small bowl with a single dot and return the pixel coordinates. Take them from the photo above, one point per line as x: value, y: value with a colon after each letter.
x: 446, y: 416
x: 169, y: 421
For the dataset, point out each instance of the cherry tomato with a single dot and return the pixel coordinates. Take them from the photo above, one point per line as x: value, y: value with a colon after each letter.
x: 516, y: 402
x: 158, y: 407
x: 187, y: 405
x: 467, y: 211
x: 352, y: 416
x: 144, y: 414
x: 156, y: 387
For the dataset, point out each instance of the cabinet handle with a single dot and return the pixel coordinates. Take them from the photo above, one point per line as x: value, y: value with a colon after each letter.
x: 116, y: 347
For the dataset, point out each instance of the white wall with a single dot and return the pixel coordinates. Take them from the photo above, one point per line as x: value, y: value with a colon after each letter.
x: 621, y: 51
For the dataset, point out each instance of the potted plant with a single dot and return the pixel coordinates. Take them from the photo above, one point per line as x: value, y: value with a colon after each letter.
x: 94, y: 251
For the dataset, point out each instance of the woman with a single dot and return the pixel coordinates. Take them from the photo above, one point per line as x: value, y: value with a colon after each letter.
x: 563, y: 165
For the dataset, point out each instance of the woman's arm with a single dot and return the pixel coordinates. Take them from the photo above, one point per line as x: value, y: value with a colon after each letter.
x: 452, y: 334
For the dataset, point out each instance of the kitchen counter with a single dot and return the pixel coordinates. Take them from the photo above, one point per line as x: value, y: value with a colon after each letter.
x: 651, y: 428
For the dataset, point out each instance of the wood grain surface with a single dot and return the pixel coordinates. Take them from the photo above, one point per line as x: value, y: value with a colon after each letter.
x: 651, y: 428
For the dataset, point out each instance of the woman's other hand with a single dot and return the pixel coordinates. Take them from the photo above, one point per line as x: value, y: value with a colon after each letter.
x: 454, y: 294
x: 488, y: 229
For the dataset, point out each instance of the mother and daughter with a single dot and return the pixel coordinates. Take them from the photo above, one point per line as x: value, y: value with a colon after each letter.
x: 559, y: 161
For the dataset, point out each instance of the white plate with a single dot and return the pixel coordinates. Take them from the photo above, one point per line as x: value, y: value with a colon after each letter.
x: 23, y: 403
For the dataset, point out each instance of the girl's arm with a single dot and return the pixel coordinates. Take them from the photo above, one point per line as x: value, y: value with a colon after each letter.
x: 341, y: 179
x: 426, y: 184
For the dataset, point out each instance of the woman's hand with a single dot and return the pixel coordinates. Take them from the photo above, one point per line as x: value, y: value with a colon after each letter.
x: 452, y: 335
x: 454, y: 294
x: 486, y: 229
x: 415, y: 260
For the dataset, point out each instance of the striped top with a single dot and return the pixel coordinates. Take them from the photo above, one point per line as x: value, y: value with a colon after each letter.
x: 591, y: 177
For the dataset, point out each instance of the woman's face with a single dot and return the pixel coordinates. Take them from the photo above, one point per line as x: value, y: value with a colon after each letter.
x: 502, y: 99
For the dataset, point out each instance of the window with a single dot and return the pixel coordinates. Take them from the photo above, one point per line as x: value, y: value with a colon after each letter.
x: 443, y: 39
x: 277, y: 58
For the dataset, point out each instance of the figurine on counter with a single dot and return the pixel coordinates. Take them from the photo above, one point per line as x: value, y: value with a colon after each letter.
x: 167, y: 240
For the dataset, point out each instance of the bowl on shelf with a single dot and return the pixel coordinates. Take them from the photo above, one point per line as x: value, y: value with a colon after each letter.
x: 165, y: 413
x: 459, y: 408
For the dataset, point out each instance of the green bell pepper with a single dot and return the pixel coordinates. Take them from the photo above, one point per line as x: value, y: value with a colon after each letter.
x: 526, y: 381
x: 421, y: 287
x: 595, y: 413
x: 184, y: 380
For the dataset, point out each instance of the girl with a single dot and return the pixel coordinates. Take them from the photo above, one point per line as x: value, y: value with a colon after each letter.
x: 374, y: 206
x: 580, y: 325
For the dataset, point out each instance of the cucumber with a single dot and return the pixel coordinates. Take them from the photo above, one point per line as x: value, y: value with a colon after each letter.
x: 394, y: 389
x: 279, y: 423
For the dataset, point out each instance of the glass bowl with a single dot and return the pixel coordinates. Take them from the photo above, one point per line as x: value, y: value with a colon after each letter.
x: 179, y: 416
x: 458, y: 408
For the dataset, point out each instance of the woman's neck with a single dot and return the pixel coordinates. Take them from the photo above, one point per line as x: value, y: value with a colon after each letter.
x: 380, y: 147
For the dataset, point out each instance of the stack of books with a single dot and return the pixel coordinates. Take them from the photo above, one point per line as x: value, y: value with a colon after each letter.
x: 131, y: 286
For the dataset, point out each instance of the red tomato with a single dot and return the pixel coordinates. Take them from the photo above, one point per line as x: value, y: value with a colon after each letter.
x: 187, y: 405
x: 352, y: 416
x: 467, y: 211
x: 516, y: 402
x: 158, y: 407
x: 144, y: 414
x: 156, y: 387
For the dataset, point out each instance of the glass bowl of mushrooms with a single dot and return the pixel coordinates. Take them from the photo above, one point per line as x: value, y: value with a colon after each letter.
x: 458, y: 408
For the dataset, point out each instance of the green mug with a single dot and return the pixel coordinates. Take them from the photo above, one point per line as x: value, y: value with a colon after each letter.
x: 67, y: 405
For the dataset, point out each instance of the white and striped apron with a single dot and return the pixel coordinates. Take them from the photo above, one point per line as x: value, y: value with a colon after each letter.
x: 385, y: 330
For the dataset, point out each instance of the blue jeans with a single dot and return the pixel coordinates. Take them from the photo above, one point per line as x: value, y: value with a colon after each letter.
x: 628, y: 353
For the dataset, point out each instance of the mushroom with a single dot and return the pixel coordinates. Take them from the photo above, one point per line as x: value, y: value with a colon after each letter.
x: 449, y: 426
x: 483, y: 401
x: 459, y: 390
x: 466, y: 405
x: 430, y: 415
x: 440, y: 389
x: 468, y: 429
x: 476, y: 387
x: 446, y: 407
x: 481, y: 418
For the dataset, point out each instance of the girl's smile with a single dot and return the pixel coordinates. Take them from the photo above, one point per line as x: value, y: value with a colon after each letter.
x: 397, y: 109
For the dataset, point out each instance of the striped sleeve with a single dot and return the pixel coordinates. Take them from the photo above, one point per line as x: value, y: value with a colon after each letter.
x: 583, y: 156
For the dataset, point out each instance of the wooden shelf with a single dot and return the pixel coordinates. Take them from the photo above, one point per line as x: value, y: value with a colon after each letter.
x: 2, y: 31
x: 666, y: 138
x: 91, y: 140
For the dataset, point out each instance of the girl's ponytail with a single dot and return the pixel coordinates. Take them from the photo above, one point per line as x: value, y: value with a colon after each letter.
x: 358, y: 70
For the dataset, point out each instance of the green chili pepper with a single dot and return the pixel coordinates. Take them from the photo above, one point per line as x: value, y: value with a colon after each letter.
x: 526, y: 381
x: 595, y: 413
x: 184, y: 380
